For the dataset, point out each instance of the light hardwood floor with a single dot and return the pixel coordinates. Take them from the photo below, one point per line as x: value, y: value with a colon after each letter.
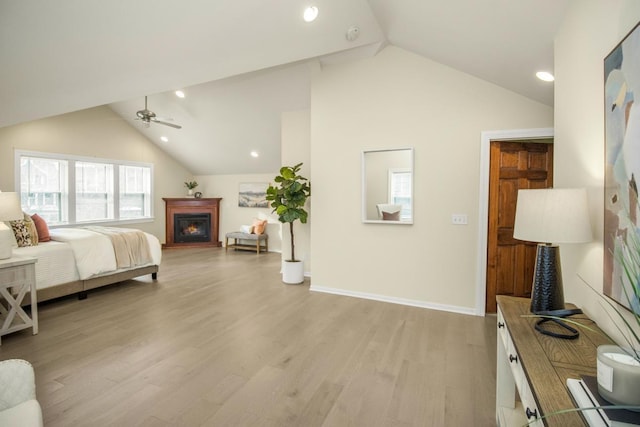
x: 218, y: 340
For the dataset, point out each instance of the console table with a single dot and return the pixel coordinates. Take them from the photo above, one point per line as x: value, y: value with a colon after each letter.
x: 537, y: 367
x: 17, y: 277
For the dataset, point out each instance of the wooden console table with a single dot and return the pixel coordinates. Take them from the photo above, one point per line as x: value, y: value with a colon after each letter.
x: 537, y: 367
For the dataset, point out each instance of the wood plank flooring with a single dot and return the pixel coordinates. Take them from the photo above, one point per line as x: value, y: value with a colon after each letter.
x: 218, y: 340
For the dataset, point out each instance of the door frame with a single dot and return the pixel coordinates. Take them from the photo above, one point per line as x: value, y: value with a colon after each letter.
x: 483, y: 212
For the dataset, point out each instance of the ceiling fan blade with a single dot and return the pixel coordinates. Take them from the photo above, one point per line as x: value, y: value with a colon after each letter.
x: 167, y: 124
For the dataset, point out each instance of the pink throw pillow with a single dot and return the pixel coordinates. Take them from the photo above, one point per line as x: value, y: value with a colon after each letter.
x: 41, y: 227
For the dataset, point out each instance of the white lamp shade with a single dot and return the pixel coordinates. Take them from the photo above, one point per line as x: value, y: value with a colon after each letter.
x: 553, y: 215
x: 10, y: 209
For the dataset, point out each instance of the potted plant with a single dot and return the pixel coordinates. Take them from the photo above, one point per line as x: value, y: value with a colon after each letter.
x: 190, y: 186
x: 288, y: 197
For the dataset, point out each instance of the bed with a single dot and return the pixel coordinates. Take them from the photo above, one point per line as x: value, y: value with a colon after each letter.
x: 77, y: 260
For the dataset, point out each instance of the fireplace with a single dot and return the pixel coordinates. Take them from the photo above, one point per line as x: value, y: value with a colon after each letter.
x: 191, y: 227
x: 192, y: 222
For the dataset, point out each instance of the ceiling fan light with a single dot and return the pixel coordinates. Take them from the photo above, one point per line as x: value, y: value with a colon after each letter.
x: 310, y: 14
x: 545, y: 76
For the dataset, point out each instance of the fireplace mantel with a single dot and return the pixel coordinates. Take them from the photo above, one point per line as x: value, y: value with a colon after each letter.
x: 191, y: 205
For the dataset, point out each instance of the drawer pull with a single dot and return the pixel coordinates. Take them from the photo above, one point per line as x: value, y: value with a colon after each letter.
x: 531, y: 414
x: 513, y: 358
x: 500, y: 325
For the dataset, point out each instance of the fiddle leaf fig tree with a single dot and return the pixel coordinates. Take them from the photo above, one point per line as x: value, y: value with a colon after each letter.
x: 288, y: 197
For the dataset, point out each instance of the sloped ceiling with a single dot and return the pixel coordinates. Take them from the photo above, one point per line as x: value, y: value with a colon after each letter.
x: 241, y: 63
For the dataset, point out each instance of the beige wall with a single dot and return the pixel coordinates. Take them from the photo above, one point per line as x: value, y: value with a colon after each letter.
x: 296, y: 136
x: 96, y: 132
x: 231, y: 215
x: 591, y: 29
x: 398, y: 99
x: 295, y: 149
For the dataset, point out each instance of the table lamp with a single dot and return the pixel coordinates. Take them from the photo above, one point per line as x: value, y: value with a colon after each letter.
x: 10, y: 210
x: 550, y: 216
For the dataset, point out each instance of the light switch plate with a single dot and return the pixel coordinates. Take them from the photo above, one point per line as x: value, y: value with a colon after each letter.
x: 459, y: 219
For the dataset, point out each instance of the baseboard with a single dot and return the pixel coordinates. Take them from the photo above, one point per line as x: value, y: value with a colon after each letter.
x: 394, y: 300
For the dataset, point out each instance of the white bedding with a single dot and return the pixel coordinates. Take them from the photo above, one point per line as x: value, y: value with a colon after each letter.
x: 94, y: 252
x: 77, y: 254
x: 56, y: 263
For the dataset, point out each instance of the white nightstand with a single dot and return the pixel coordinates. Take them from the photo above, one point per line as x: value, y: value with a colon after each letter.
x: 17, y: 277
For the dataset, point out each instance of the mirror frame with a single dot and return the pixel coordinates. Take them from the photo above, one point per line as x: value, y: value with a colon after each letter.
x: 365, y: 220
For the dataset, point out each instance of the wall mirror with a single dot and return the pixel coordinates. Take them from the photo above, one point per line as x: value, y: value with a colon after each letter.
x: 387, y: 186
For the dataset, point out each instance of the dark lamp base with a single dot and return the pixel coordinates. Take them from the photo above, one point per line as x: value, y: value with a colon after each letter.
x: 547, y: 294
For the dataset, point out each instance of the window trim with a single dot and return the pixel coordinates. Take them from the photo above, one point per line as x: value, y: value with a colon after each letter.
x: 71, y: 185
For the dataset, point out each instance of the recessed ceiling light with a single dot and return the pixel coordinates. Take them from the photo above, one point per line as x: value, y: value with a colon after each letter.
x: 545, y: 76
x: 310, y: 14
x: 164, y: 139
x: 254, y: 154
x: 180, y: 94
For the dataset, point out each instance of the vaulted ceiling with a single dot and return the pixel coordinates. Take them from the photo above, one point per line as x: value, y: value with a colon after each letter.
x: 242, y: 63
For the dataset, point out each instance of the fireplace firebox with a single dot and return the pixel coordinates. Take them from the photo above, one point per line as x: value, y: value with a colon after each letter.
x: 191, y: 227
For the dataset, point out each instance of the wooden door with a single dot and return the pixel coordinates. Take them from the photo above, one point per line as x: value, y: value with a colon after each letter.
x: 514, y: 165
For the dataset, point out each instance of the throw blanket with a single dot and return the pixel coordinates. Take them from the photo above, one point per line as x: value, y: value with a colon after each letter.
x: 94, y: 252
x: 130, y: 246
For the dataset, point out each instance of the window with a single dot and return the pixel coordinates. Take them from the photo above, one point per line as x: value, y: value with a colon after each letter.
x: 94, y: 191
x: 135, y: 182
x: 43, y: 187
x: 71, y: 190
x: 400, y: 191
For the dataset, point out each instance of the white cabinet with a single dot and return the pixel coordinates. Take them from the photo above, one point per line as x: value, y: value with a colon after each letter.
x: 533, y: 368
x: 515, y: 404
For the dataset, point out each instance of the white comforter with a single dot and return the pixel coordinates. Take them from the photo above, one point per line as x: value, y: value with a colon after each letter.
x: 93, y: 252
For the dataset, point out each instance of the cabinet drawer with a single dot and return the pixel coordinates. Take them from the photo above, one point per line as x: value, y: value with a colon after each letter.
x: 529, y: 405
x: 502, y: 328
x: 514, y: 363
x: 13, y: 275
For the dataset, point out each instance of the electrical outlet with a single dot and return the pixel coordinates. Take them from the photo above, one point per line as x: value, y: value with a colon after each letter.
x: 459, y: 219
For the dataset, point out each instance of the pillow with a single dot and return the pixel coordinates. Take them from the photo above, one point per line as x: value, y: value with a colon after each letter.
x: 388, y: 216
x: 25, y: 231
x: 248, y: 229
x: 259, y: 226
x: 41, y: 228
x: 22, y: 233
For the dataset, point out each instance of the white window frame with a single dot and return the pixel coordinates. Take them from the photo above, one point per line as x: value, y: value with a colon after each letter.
x: 71, y: 185
x: 393, y: 171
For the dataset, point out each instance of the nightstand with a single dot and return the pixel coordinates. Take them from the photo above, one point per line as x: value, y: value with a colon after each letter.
x: 17, y: 277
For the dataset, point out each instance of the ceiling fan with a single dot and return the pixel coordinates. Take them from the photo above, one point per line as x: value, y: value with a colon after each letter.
x: 147, y: 116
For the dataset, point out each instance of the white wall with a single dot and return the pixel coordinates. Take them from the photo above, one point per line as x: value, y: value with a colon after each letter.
x: 398, y: 99
x: 96, y: 132
x: 231, y: 215
x: 591, y: 29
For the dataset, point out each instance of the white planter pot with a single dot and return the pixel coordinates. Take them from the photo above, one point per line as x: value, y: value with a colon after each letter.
x: 293, y: 272
x: 618, y: 376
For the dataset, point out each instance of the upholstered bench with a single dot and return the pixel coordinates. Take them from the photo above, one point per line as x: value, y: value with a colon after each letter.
x: 239, y: 236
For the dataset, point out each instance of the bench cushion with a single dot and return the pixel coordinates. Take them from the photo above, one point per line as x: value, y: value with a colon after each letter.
x: 245, y: 236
